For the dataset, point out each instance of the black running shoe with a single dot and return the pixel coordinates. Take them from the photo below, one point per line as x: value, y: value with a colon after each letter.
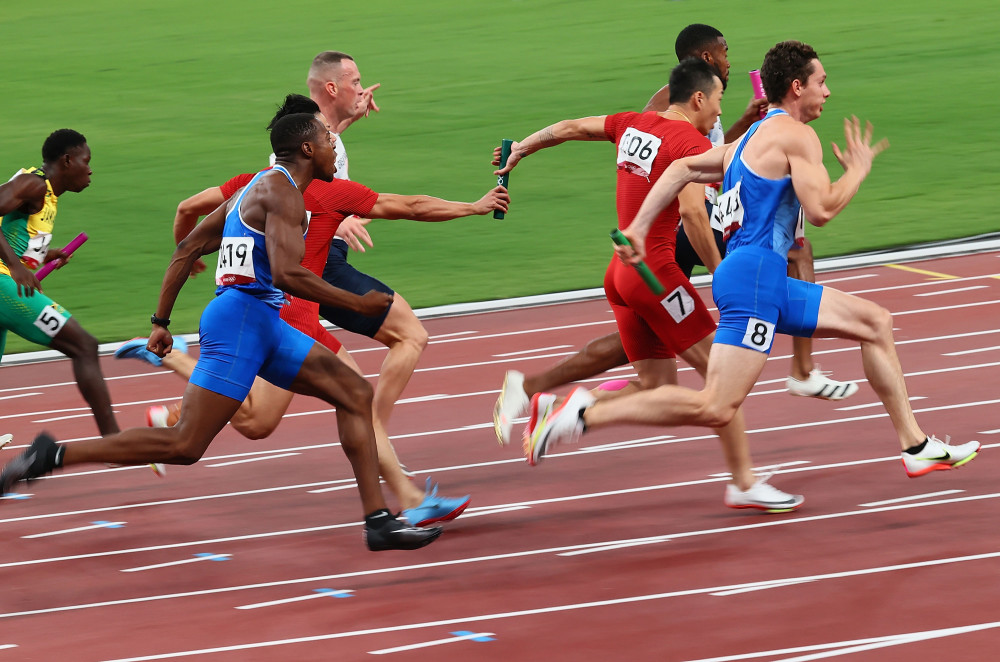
x: 38, y: 459
x: 387, y: 532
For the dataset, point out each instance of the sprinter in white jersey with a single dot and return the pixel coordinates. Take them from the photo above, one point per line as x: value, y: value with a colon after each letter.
x: 769, y: 173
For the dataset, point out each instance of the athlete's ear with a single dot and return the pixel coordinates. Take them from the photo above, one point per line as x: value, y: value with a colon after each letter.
x: 708, y: 57
x: 331, y: 88
x: 697, y: 100
x: 307, y: 149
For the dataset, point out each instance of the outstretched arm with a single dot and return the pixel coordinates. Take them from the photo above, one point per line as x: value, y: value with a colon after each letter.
x: 587, y: 128
x: 430, y: 209
x: 285, y: 248
x: 704, y: 168
x: 822, y: 200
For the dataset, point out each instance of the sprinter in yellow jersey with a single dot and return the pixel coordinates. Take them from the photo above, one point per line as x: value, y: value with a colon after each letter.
x: 28, y: 207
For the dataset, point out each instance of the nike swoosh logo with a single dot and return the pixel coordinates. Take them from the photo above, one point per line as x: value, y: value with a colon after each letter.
x: 946, y: 456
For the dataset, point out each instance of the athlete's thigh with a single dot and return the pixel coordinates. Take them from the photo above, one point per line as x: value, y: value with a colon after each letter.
x: 800, y: 311
x: 268, y: 403
x: 236, y: 337
x: 750, y: 289
x: 638, y: 339
x: 37, y: 318
x: 399, y: 323
x: 678, y: 316
x: 732, y: 372
x: 843, y: 315
x: 341, y: 274
x: 325, y: 376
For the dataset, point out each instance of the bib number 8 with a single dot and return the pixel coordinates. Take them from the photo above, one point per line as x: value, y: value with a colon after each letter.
x: 759, y: 335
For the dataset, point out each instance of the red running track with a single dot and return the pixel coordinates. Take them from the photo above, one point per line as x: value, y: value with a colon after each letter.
x: 619, y: 548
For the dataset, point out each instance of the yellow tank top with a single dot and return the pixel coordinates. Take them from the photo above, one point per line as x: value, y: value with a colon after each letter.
x: 29, y: 235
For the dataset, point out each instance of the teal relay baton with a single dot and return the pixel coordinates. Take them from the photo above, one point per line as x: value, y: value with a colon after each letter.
x: 651, y: 280
x: 504, y: 178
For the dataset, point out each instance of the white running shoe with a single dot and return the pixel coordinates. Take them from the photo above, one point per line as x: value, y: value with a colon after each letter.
x: 938, y: 455
x: 819, y: 385
x: 5, y: 439
x: 563, y: 424
x: 513, y: 402
x: 762, y: 496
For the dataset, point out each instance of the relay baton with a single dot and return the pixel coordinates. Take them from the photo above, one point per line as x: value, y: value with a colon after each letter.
x: 758, y: 89
x: 70, y: 247
x: 504, y: 178
x: 651, y: 280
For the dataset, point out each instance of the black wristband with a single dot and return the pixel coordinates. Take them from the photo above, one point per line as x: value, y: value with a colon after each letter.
x: 159, y: 321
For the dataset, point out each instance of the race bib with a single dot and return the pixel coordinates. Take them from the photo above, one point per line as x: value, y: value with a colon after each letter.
x: 800, y: 229
x: 637, y: 150
x: 235, y: 262
x: 38, y: 246
x: 678, y: 304
x: 728, y: 213
x: 759, y: 335
x: 50, y: 321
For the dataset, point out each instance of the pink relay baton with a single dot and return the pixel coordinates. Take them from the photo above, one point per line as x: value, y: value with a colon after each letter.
x: 758, y: 89
x: 70, y: 247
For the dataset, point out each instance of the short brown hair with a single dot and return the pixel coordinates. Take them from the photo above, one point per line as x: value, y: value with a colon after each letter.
x: 786, y: 62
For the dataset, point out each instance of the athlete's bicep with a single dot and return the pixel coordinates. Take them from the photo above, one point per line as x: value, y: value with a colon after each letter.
x: 585, y: 128
x: 207, y: 235
x: 707, y: 167
x: 810, y: 179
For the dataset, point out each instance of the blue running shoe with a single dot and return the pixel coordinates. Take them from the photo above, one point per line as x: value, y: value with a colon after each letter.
x: 435, y: 508
x: 136, y: 349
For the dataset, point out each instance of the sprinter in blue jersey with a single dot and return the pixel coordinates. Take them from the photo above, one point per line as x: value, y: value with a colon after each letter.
x: 259, y: 236
x: 769, y: 175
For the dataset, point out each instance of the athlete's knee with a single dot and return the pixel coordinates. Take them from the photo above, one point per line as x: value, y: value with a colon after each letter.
x: 253, y: 427
x: 75, y: 342
x: 607, y: 351
x: 715, y: 414
x: 184, y: 448
x: 880, y: 322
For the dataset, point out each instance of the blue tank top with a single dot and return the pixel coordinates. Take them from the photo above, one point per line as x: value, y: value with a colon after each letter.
x: 770, y: 209
x: 243, y: 262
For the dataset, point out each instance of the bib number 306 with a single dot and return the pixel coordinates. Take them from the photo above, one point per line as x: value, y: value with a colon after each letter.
x: 235, y: 262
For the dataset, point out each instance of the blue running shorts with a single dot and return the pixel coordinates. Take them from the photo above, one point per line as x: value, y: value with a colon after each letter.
x: 242, y: 337
x: 341, y: 274
x: 757, y: 299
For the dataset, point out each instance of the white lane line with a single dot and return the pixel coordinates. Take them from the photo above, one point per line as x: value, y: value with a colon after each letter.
x: 915, y: 497
x: 2, y: 646
x: 840, y: 280
x: 74, y: 409
x: 450, y: 335
x: 533, y: 351
x: 95, y: 525
x: 763, y: 587
x: 925, y: 283
x: 958, y: 289
x: 855, y: 645
x: 19, y: 395
x: 876, y: 404
x: 480, y: 636
x: 486, y: 510
x: 317, y: 593
x: 197, y: 559
x: 107, y: 379
x: 972, y: 351
x: 564, y: 608
x: 997, y: 431
x: 88, y: 414
x: 556, y: 550
x: 621, y: 545
x: 252, y: 459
